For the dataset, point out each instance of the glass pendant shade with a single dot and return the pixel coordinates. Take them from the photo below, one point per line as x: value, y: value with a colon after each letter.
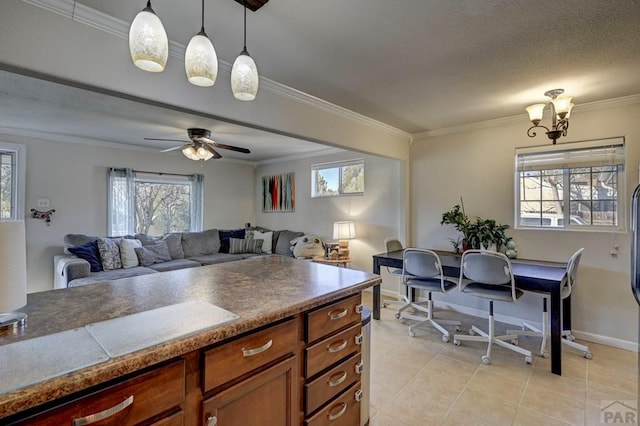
x: 535, y: 112
x: 201, y: 61
x: 190, y: 153
x: 562, y: 105
x: 244, y: 77
x: 148, y: 41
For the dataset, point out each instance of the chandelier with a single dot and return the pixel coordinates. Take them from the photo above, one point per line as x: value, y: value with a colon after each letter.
x: 560, y: 110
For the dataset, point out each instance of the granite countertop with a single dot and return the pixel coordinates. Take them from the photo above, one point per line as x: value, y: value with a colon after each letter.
x: 259, y: 290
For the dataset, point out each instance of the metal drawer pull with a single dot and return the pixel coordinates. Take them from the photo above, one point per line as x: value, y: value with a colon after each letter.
x: 359, y: 339
x: 359, y: 308
x: 338, y: 348
x: 359, y: 367
x: 339, y: 380
x: 340, y: 412
x: 359, y: 395
x: 256, y: 351
x: 341, y: 314
x: 212, y: 421
x: 93, y: 418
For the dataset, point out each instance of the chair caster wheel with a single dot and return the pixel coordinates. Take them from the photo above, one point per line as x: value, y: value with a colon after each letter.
x: 397, y: 316
x: 472, y: 332
x: 412, y: 334
x: 587, y: 355
x: 456, y: 342
x: 486, y: 359
x: 384, y: 305
x: 445, y: 339
x: 514, y: 342
x: 570, y: 338
x: 544, y: 354
x: 458, y: 328
x: 528, y: 360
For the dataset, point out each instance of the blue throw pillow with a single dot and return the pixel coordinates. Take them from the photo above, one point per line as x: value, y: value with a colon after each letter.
x: 224, y: 238
x: 88, y: 252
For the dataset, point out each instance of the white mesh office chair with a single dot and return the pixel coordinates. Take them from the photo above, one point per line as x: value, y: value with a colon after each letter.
x: 488, y: 275
x: 393, y: 244
x: 568, y: 282
x: 422, y: 270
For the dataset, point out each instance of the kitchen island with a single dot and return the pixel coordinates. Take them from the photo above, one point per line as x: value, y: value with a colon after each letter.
x: 285, y: 311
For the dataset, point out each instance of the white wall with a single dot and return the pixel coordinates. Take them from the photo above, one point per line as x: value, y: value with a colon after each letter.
x: 73, y: 177
x: 378, y: 214
x: 479, y: 166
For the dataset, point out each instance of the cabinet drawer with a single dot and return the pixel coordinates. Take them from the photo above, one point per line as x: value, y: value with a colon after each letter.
x: 344, y: 411
x: 325, y: 321
x: 332, y: 383
x: 127, y: 403
x: 332, y: 349
x: 245, y: 354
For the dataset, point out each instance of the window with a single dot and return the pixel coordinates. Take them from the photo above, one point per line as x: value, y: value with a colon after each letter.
x: 341, y: 178
x: 573, y: 185
x: 12, y: 178
x: 153, y: 203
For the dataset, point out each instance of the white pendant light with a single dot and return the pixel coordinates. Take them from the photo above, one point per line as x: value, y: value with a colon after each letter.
x: 244, y: 73
x: 148, y: 41
x: 200, y: 59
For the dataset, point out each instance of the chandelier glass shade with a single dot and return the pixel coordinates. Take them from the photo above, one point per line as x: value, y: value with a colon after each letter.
x: 244, y: 77
x: 201, y: 61
x: 148, y: 43
x: 560, y: 111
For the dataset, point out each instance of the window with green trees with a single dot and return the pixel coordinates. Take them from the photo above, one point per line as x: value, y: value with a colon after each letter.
x: 339, y: 178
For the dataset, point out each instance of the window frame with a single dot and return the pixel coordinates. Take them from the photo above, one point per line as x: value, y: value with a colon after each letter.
x: 18, y: 191
x: 563, y: 221
x: 336, y: 165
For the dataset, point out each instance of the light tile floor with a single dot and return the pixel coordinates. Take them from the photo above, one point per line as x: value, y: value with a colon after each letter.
x: 420, y: 381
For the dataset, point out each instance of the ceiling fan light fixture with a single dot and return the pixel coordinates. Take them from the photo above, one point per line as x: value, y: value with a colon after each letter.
x: 148, y: 42
x: 191, y: 153
x: 244, y: 77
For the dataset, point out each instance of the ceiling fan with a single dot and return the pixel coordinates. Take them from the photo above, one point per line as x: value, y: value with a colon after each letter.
x: 201, y: 146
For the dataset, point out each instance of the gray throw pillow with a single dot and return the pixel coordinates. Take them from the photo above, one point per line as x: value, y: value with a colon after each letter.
x: 173, y: 241
x: 283, y: 246
x: 238, y: 245
x: 155, y: 253
x: 200, y: 243
x: 109, y: 253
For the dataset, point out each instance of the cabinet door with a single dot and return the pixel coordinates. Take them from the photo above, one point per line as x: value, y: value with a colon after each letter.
x: 270, y: 398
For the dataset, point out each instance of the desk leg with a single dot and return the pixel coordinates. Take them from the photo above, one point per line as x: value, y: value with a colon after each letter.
x: 556, y: 331
x: 566, y: 313
x: 376, y: 291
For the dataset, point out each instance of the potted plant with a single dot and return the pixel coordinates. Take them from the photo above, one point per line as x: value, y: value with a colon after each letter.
x: 460, y: 222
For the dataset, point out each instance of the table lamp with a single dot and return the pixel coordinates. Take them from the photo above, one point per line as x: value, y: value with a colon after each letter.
x: 344, y: 231
x: 13, y: 274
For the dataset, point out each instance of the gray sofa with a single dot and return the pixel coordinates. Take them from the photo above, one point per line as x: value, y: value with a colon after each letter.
x: 186, y: 250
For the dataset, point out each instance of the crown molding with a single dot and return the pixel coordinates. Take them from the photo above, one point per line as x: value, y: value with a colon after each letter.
x: 590, y: 106
x: 95, y: 19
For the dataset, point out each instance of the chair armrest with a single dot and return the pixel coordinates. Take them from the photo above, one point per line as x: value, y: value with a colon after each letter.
x: 69, y: 268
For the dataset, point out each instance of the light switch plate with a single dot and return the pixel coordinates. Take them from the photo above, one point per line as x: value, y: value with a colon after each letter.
x: 43, y: 202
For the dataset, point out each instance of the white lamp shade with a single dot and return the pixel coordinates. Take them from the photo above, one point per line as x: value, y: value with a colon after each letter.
x: 562, y: 105
x: 345, y: 230
x: 201, y: 61
x: 13, y: 266
x: 148, y: 42
x: 535, y: 112
x: 191, y: 153
x: 244, y: 78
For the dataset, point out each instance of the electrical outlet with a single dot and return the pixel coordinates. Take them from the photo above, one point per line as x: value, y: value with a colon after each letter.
x: 43, y: 203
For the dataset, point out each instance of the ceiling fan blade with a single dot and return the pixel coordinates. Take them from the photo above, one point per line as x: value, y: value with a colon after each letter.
x: 175, y: 148
x: 168, y: 140
x: 231, y: 148
x: 209, y: 148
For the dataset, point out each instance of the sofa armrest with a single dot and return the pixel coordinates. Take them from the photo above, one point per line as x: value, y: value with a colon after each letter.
x: 69, y: 268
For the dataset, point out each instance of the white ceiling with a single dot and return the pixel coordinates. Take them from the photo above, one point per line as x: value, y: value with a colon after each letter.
x: 417, y: 65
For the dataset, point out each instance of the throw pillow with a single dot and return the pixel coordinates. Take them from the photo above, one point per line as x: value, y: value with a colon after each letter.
x: 237, y: 246
x: 109, y: 253
x: 128, y: 255
x: 155, y: 253
x: 267, y: 237
x: 225, y: 235
x: 173, y: 240
x: 88, y: 252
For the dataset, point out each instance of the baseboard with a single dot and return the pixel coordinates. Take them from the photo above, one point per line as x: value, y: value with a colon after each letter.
x: 628, y: 345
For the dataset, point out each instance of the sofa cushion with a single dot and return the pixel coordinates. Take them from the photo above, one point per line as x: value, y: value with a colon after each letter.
x: 155, y: 253
x: 173, y: 240
x: 229, y: 233
x: 283, y: 246
x: 174, y: 264
x: 114, y: 274
x: 88, y: 252
x: 109, y: 253
x: 200, y: 243
x: 238, y: 246
x: 213, y: 259
x: 128, y: 255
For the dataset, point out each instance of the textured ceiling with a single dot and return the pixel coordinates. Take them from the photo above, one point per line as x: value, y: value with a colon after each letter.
x: 424, y: 64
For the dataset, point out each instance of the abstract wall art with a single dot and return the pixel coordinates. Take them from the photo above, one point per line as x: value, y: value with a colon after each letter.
x: 278, y: 193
